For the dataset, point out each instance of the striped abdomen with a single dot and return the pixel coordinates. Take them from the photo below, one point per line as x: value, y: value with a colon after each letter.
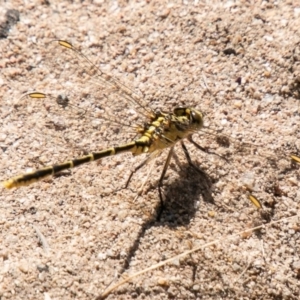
x: 135, y: 147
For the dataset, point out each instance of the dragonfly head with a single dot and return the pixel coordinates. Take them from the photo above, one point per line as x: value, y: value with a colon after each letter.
x: 194, y: 116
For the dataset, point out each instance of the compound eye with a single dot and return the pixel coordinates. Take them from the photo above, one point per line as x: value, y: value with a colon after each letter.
x: 196, y: 117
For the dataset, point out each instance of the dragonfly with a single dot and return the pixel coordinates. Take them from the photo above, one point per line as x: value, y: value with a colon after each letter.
x: 160, y: 130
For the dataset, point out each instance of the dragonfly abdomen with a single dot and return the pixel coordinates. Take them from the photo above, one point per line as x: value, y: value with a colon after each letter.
x: 26, y: 179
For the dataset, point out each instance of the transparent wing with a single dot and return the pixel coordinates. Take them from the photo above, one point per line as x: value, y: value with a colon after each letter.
x: 79, y: 100
x: 104, y: 80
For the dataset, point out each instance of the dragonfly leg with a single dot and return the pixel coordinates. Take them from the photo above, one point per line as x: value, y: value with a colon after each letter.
x: 143, y: 163
x: 188, y: 158
x: 206, y: 180
x: 160, y: 183
x: 190, y: 139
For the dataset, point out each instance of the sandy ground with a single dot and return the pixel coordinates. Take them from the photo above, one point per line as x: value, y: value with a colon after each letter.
x: 72, y: 236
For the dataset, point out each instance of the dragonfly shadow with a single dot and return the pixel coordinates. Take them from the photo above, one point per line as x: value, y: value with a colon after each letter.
x: 183, y: 195
x: 180, y: 204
